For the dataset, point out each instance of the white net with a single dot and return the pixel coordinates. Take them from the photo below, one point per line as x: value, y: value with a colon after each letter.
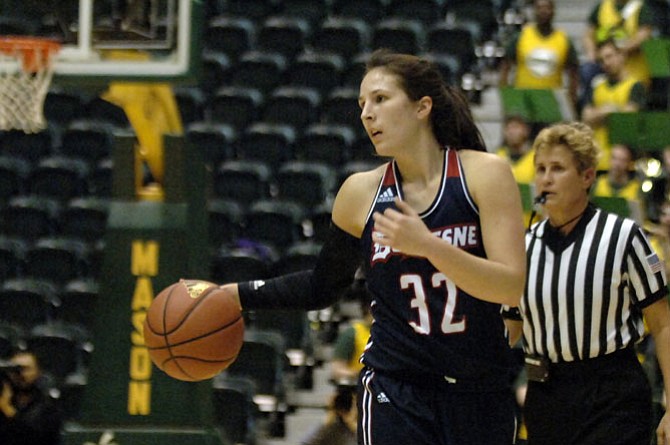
x: 25, y: 76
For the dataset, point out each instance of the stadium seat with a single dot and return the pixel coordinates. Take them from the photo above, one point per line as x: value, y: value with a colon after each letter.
x: 267, y: 142
x: 77, y: 302
x: 355, y: 166
x: 308, y: 183
x: 17, y: 26
x: 243, y: 181
x: 30, y: 217
x: 355, y: 70
x: 87, y: 140
x: 364, y: 150
x: 191, y: 103
x: 262, y: 359
x: 293, y: 325
x: 60, y: 177
x: 70, y: 397
x: 256, y: 10
x: 100, y: 110
x: 59, y: 352
x: 85, y: 218
x: 426, y: 11
x: 454, y: 40
x: 11, y: 339
x: 226, y: 217
x: 216, y: 141
x: 328, y: 143
x: 299, y: 256
x: 232, y: 35
x: 293, y: 105
x: 286, y: 35
x: 259, y: 69
x: 14, y: 174
x: 322, y: 71
x: 341, y: 107
x: 275, y: 221
x: 314, y: 11
x: 57, y: 259
x: 63, y: 106
x: 30, y: 146
x: 320, y: 218
x: 400, y: 35
x: 449, y: 65
x: 370, y: 10
x: 12, y: 257
x: 100, y: 178
x: 216, y: 69
x: 234, y: 408
x: 27, y: 302
x: 346, y: 36
x: 236, y: 105
x: 230, y: 265
x: 482, y: 18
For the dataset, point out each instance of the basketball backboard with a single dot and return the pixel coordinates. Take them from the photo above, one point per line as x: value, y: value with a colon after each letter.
x: 129, y: 40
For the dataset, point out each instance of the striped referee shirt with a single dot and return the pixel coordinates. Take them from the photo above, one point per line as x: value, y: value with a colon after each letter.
x: 585, y: 291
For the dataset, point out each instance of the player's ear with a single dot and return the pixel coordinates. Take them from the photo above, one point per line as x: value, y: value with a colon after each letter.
x: 424, y: 107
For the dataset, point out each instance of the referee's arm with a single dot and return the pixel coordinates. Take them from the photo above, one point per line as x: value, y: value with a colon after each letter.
x: 657, y: 316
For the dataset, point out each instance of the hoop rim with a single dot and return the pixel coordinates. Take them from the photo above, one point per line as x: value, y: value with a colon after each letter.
x: 36, y: 51
x: 22, y: 43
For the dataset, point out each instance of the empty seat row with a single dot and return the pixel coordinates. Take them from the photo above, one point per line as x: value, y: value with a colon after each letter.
x: 33, y: 216
x: 276, y: 144
x: 53, y: 258
x: 331, y: 63
x: 371, y: 11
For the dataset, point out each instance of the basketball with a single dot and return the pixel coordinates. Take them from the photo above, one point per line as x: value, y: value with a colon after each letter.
x: 193, y: 330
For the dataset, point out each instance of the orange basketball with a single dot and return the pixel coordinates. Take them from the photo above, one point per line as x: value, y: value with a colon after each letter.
x: 193, y: 330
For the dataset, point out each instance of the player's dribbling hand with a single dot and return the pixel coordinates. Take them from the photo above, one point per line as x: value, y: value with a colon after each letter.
x: 231, y: 289
x: 401, y: 229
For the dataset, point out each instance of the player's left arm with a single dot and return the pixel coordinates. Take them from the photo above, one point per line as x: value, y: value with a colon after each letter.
x: 657, y: 316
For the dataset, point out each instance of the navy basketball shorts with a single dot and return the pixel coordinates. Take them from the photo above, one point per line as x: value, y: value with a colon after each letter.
x: 393, y: 411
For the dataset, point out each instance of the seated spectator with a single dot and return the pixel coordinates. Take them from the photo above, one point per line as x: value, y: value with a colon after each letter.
x: 27, y: 414
x: 516, y: 148
x: 615, y: 92
x: 629, y: 23
x: 542, y: 55
x: 620, y: 179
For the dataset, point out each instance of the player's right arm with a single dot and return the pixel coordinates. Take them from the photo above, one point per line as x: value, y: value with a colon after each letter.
x: 337, y: 263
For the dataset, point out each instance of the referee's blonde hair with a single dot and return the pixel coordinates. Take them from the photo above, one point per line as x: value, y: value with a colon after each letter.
x: 576, y: 137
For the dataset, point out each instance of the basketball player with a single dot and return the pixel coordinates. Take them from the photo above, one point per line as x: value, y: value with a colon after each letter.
x: 592, y: 278
x: 440, y: 234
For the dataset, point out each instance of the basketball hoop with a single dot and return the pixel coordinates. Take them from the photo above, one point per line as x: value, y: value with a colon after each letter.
x: 25, y: 75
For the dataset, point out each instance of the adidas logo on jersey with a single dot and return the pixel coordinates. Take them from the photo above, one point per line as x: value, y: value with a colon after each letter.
x: 381, y: 398
x: 387, y: 196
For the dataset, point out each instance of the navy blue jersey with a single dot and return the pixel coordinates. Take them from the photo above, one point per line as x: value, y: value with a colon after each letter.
x: 424, y: 324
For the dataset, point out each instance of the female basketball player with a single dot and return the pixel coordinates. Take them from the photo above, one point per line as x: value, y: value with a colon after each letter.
x: 439, y: 231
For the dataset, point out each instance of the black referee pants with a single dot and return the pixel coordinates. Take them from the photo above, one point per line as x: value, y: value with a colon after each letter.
x: 592, y: 402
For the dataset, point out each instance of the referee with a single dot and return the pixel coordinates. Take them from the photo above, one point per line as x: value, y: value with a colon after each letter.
x: 592, y: 277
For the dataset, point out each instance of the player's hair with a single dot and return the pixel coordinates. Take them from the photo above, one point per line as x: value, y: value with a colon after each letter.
x: 451, y: 118
x: 576, y: 137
